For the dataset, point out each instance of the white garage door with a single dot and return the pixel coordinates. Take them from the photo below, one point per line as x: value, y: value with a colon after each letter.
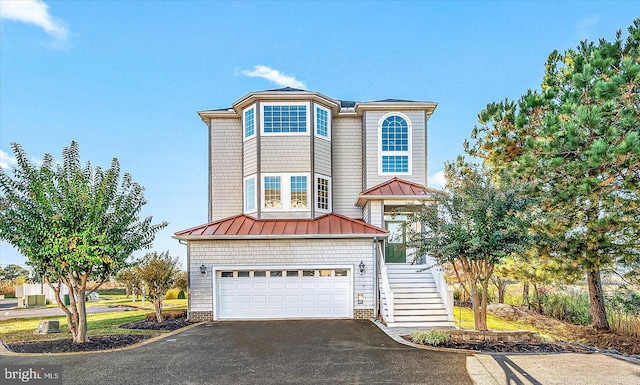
x: 299, y: 293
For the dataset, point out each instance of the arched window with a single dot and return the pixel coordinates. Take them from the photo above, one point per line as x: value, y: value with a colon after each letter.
x: 395, y: 145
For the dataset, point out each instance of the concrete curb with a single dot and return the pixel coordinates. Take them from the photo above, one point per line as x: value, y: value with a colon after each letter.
x: 4, y: 351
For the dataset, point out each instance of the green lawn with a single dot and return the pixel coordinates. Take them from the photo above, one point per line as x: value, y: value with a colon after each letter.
x: 464, y: 320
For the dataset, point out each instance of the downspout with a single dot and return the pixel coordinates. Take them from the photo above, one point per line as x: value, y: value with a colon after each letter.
x: 188, y: 277
x: 376, y: 285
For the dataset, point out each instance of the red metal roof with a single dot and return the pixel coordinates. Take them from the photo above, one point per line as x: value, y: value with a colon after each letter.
x: 243, y: 226
x: 396, y: 188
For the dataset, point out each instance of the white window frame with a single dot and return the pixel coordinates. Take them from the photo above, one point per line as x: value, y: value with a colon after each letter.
x: 315, y: 118
x: 285, y: 192
x: 255, y: 128
x: 308, y: 118
x: 255, y: 194
x: 316, y: 184
x: 408, y: 153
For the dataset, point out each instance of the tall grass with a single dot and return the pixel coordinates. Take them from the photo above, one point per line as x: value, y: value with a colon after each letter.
x: 571, y: 306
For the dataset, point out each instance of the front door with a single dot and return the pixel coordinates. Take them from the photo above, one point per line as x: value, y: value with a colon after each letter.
x: 395, y: 250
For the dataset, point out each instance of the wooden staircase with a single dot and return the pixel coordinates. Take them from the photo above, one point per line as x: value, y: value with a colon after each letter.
x: 417, y: 302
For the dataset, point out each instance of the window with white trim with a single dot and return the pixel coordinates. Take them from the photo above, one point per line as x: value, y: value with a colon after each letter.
x: 250, y: 194
x: 272, y: 192
x: 395, y: 145
x: 299, y: 192
x: 249, y: 122
x: 323, y: 188
x: 323, y: 122
x: 285, y: 192
x: 291, y: 118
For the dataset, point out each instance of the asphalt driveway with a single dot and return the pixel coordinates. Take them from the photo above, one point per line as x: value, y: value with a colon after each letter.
x: 265, y: 352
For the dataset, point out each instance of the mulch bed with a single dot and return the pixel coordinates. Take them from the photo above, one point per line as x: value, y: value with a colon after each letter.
x: 67, y: 345
x: 513, y: 347
x: 99, y: 343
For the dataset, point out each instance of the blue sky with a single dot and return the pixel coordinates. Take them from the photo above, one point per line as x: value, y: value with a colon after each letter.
x: 125, y: 78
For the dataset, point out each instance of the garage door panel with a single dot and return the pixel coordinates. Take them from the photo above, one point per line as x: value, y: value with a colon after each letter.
x: 301, y: 296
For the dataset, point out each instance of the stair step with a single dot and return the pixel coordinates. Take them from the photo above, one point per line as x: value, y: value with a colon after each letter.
x: 434, y: 324
x: 397, y: 301
x: 419, y: 312
x: 420, y: 318
x: 416, y: 295
x: 419, y: 306
x: 412, y: 285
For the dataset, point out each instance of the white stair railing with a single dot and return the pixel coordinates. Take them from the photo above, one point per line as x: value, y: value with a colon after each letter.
x: 385, y: 288
x: 446, y: 293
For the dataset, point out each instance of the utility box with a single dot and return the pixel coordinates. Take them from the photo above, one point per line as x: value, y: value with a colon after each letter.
x: 47, y: 327
x: 36, y: 300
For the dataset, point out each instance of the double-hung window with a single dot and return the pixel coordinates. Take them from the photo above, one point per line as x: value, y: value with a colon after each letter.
x: 249, y: 122
x: 290, y: 118
x: 323, y: 189
x: 250, y: 194
x: 323, y: 122
x: 285, y: 192
x: 395, y: 145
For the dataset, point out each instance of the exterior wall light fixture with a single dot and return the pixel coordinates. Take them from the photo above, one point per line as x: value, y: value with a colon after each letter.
x: 361, y: 266
x: 203, y: 270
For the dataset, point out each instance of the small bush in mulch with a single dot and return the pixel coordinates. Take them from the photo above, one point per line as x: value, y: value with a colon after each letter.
x: 513, y: 347
x: 167, y: 314
x: 167, y: 324
x: 67, y: 345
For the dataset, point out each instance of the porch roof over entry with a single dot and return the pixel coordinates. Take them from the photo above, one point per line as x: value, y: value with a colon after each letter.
x: 398, y: 189
x: 245, y: 227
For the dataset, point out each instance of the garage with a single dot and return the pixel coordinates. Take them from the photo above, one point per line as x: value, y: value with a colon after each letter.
x: 278, y: 293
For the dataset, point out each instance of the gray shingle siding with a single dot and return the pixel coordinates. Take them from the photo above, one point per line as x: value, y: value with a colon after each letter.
x: 347, y: 165
x: 226, y: 168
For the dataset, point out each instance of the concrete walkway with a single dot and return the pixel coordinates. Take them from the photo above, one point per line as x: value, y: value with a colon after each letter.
x: 538, y: 369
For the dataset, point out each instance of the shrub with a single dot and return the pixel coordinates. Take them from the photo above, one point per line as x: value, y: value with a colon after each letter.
x: 167, y: 315
x: 172, y: 294
x: 432, y: 337
x: 112, y: 291
x: 623, y: 312
x: 181, y: 295
x: 572, y: 306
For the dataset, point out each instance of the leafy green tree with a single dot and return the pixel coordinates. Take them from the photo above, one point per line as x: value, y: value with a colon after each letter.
x: 12, y: 272
x: 471, y: 228
x: 127, y: 278
x: 157, y: 272
x: 72, y: 223
x: 577, y: 142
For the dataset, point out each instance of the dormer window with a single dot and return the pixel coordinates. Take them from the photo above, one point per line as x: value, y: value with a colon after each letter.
x: 290, y: 118
x: 394, y: 145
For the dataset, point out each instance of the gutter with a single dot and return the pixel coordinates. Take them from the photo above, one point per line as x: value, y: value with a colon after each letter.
x: 277, y: 236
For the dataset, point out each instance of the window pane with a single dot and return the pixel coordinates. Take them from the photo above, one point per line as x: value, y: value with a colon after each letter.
x: 341, y: 273
x: 322, y: 194
x: 325, y: 273
x: 250, y: 195
x: 308, y: 273
x: 285, y: 119
x: 227, y: 274
x: 272, y: 193
x: 322, y: 122
x: 243, y: 274
x: 395, y: 134
x: 249, y: 123
x: 277, y: 273
x: 395, y: 163
x: 259, y: 273
x: 298, y: 192
x: 292, y: 273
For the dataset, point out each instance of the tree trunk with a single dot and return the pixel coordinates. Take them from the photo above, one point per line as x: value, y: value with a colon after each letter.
x: 536, y: 295
x: 81, y: 306
x: 158, y: 306
x: 479, y: 316
x: 525, y: 295
x: 596, y: 299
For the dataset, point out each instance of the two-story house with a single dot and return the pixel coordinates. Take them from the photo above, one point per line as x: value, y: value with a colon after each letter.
x: 304, y: 192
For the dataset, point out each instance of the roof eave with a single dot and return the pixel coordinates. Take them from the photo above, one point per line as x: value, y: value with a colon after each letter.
x: 217, y: 114
x: 251, y: 97
x: 278, y: 236
x: 362, y: 199
x: 361, y: 107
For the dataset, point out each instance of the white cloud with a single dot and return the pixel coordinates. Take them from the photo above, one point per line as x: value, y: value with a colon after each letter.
x: 274, y: 76
x: 584, y: 27
x: 6, y: 160
x: 437, y: 180
x: 33, y: 12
